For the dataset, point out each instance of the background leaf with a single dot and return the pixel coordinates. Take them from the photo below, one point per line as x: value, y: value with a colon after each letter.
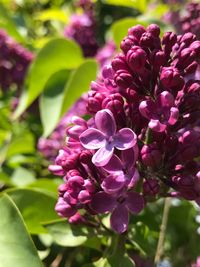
x: 66, y: 235
x: 79, y: 82
x: 16, y: 246
x: 51, y: 100
x: 8, y: 24
x: 57, y: 54
x: 36, y: 207
x: 141, y: 5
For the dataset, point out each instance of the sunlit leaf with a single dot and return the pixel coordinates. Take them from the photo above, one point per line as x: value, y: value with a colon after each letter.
x: 16, y: 246
x: 36, y: 207
x: 79, y: 82
x: 51, y: 100
x: 58, y: 54
x: 141, y: 5
x: 8, y: 24
x: 67, y: 235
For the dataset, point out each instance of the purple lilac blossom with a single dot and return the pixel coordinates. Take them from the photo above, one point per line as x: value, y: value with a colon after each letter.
x: 186, y: 19
x: 143, y: 129
x: 14, y: 62
x: 82, y: 29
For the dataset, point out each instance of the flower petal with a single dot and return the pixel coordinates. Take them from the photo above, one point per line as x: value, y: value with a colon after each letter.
x: 102, y: 202
x: 134, y: 202
x: 134, y: 177
x: 156, y: 126
x: 174, y: 114
x: 129, y: 156
x: 105, y: 122
x: 125, y: 139
x: 119, y: 219
x: 114, y: 182
x: 147, y: 109
x: 165, y: 99
x: 113, y: 165
x: 92, y: 139
x: 103, y: 155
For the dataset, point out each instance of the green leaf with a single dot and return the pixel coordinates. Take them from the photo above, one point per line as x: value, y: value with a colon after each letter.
x: 21, y: 143
x: 53, y: 14
x: 120, y: 27
x: 36, y: 207
x: 8, y: 24
x: 22, y: 177
x: 79, y: 82
x: 46, y: 184
x: 141, y: 5
x: 58, y: 54
x: 125, y: 261
x: 16, y: 246
x: 67, y: 235
x: 51, y: 100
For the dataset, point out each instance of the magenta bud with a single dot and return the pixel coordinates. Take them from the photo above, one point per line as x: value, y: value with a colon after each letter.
x: 123, y: 78
x: 170, y: 78
x: 56, y: 169
x: 63, y: 209
x: 154, y: 30
x: 136, y: 58
x: 76, y: 219
x: 89, y: 186
x: 151, y: 155
x: 136, y: 31
x: 84, y: 197
x: 119, y: 62
x: 127, y: 43
x: 151, y: 187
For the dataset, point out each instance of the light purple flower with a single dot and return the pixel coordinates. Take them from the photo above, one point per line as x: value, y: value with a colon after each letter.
x: 105, y: 137
x: 160, y: 113
x: 119, y: 207
x: 122, y: 172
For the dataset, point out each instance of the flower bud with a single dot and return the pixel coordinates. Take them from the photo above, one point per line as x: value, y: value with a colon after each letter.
x: 171, y: 79
x: 151, y: 187
x: 151, y: 155
x: 63, y: 209
x: 123, y: 78
x: 136, y: 58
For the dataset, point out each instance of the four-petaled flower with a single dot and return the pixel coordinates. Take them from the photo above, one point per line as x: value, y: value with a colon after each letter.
x: 119, y: 207
x: 105, y: 137
x: 122, y: 172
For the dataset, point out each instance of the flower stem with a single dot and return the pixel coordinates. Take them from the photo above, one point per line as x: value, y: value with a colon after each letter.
x: 161, y: 240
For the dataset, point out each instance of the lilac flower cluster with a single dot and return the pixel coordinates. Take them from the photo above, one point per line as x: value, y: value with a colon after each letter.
x: 82, y: 29
x: 188, y: 20
x: 142, y: 139
x: 14, y: 62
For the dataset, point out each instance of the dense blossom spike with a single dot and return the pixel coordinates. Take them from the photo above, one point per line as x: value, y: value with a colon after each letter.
x: 143, y: 129
x: 82, y: 28
x: 14, y: 62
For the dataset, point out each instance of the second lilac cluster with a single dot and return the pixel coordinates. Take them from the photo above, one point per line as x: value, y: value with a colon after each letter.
x: 14, y: 62
x: 82, y: 29
x: 141, y: 141
x: 186, y: 19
